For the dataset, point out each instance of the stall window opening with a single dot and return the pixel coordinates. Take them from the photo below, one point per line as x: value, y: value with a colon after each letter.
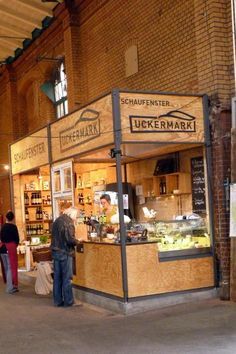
x: 60, y: 89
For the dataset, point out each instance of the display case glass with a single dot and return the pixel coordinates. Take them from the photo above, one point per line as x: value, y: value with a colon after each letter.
x: 182, y: 236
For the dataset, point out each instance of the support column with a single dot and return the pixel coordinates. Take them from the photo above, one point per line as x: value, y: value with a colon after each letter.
x: 76, y: 89
x: 233, y: 239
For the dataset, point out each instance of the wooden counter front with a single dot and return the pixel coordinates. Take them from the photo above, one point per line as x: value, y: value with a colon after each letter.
x: 99, y: 268
x: 148, y: 276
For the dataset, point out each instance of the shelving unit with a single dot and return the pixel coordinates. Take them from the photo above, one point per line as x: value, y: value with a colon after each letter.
x: 37, y: 212
x: 166, y: 185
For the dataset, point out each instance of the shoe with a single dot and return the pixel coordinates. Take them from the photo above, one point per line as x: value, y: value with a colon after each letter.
x: 13, y: 290
x: 75, y: 304
x: 16, y: 290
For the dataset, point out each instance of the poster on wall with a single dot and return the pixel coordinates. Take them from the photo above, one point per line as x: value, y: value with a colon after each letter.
x: 233, y: 210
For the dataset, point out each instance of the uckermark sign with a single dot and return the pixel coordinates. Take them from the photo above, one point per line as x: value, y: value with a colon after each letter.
x: 161, y: 118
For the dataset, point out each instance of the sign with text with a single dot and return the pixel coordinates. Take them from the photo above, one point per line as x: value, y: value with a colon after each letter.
x: 161, y: 118
x: 30, y: 152
x: 84, y: 130
x: 198, y: 185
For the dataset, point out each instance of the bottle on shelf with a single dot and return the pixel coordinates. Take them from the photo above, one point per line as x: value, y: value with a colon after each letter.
x: 162, y: 186
x: 79, y: 182
x: 26, y: 214
x: 26, y: 199
x: 36, y: 214
x: 41, y: 214
x: 81, y: 198
x: 48, y: 200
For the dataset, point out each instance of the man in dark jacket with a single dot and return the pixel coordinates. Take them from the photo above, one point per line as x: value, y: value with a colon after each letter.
x: 62, y: 245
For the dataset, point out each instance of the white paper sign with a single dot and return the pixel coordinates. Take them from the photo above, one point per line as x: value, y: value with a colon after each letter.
x: 126, y: 201
x: 233, y: 210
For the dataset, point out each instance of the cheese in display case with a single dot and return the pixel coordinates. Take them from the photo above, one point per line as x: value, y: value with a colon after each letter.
x: 180, y: 235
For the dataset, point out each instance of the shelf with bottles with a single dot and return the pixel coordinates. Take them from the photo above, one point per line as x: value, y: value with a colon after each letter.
x: 84, y: 196
x: 169, y: 184
x: 34, y: 198
x: 34, y: 229
x: 46, y: 198
x: 33, y: 214
x: 173, y: 183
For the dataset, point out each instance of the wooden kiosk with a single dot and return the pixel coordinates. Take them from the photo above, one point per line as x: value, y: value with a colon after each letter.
x: 125, y: 127
x: 31, y: 191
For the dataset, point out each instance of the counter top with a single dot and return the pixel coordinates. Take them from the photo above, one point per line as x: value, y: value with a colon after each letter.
x: 110, y: 242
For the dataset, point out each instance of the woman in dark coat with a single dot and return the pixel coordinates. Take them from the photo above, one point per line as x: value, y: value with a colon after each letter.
x: 10, y: 237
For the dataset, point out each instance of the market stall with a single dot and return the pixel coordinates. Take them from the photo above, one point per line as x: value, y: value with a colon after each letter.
x: 152, y: 151
x: 31, y: 192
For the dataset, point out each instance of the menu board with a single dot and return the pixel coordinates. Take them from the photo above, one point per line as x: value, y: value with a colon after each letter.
x: 198, y: 185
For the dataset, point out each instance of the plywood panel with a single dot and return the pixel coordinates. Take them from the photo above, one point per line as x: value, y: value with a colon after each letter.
x: 99, y: 268
x: 83, y: 131
x: 161, y: 118
x: 147, y: 276
x: 18, y: 191
x: 30, y: 152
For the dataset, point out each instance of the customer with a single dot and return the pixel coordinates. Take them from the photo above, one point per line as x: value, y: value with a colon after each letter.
x: 62, y: 245
x: 10, y: 237
x: 6, y: 269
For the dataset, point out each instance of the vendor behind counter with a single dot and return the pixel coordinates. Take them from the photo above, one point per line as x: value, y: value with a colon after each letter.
x: 108, y: 210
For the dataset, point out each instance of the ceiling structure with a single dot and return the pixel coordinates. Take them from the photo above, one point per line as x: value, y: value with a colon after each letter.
x: 21, y: 22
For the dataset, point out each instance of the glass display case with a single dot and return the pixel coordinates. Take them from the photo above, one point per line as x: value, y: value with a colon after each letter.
x: 179, y: 237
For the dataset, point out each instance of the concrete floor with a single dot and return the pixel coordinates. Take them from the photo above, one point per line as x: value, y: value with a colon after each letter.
x: 30, y: 324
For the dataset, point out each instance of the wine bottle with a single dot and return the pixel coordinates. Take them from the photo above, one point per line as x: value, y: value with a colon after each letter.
x: 26, y: 215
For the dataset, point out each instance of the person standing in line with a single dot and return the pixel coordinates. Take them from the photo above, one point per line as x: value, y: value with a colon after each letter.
x: 6, y: 269
x: 62, y: 245
x: 10, y: 237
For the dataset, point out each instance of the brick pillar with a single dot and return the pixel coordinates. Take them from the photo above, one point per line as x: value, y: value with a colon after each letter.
x: 221, y: 172
x: 233, y: 239
x: 11, y: 89
x: 76, y: 95
x: 212, y: 23
x: 10, y: 129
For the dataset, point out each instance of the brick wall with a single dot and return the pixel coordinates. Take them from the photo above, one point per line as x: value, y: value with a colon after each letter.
x: 184, y: 46
x: 221, y: 151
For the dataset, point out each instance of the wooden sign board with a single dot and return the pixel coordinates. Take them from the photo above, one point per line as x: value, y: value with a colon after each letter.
x: 161, y: 118
x: 85, y: 130
x: 198, y: 185
x: 30, y: 152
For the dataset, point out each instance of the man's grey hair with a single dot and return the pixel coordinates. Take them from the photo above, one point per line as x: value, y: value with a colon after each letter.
x: 72, y: 212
